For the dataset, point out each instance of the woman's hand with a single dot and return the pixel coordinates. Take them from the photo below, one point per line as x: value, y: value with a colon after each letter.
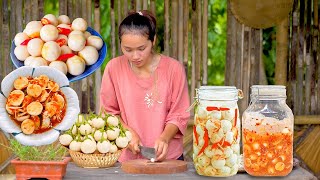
x: 161, y: 147
x: 134, y: 143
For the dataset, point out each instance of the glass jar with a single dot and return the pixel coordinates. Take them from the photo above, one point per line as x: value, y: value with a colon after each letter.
x: 267, y: 132
x: 216, y: 131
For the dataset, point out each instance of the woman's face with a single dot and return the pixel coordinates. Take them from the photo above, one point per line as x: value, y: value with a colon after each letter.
x: 137, y: 48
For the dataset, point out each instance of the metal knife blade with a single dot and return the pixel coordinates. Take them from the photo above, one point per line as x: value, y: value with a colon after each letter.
x: 148, y: 152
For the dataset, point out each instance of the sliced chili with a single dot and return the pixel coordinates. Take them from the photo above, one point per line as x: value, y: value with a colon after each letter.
x: 25, y: 42
x: 45, y: 21
x: 195, y: 135
x: 64, y: 31
x: 65, y: 57
x: 61, y: 42
x: 213, y: 108
x: 235, y: 117
x: 206, y: 141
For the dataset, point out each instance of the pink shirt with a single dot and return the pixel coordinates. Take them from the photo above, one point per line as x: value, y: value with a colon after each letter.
x: 148, y: 104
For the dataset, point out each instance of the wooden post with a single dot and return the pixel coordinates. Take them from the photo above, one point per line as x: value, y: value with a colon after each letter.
x: 153, y: 6
x: 281, y: 53
x: 35, y: 15
x: 229, y: 74
x: 180, y: 31
x: 246, y: 67
x: 27, y: 11
x: 293, y: 60
x: 316, y: 51
x: 204, y: 45
x: 198, y: 44
x: 70, y: 10
x: 19, y: 18
x: 41, y: 8
x: 1, y: 44
x: 119, y: 22
x: 5, y: 38
x: 138, y: 5
x: 166, y: 28
x: 125, y: 8
x: 308, y: 62
x: 185, y: 34
x: 193, y: 50
x: 300, y: 89
x: 63, y: 4
x: 113, y: 30
x: 145, y: 4
x: 98, y: 74
x: 174, y: 29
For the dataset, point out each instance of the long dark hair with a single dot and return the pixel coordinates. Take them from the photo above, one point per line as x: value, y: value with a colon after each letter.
x: 142, y: 22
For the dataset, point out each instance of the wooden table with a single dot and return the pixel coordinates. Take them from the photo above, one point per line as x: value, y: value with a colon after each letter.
x: 75, y: 172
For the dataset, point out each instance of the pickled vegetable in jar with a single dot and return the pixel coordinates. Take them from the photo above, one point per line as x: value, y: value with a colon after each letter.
x: 267, y: 132
x: 216, y: 131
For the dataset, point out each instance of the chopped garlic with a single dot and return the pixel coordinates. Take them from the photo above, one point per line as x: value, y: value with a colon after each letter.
x: 152, y: 159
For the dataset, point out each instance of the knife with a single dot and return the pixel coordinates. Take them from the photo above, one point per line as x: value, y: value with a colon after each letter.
x: 148, y: 152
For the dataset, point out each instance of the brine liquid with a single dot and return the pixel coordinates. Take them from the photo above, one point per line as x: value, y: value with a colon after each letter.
x: 268, y: 154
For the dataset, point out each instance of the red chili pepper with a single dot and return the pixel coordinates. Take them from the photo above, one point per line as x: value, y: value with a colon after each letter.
x: 224, y: 109
x: 221, y: 143
x: 235, y: 117
x: 61, y: 42
x: 206, y: 141
x: 212, y: 108
x: 64, y: 31
x: 65, y: 57
x: 45, y: 21
x: 196, y: 135
x: 25, y: 42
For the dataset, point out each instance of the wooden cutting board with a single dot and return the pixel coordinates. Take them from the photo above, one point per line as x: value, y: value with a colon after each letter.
x: 145, y: 166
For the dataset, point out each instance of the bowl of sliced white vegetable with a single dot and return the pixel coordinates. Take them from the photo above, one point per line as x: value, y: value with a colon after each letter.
x: 96, y: 141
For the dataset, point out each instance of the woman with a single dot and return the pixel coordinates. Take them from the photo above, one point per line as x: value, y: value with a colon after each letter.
x: 147, y: 90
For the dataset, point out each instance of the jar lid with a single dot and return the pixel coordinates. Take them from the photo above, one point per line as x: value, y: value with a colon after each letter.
x: 269, y: 90
x: 218, y: 93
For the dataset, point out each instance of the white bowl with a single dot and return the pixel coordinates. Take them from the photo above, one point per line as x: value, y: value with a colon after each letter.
x: 48, y: 137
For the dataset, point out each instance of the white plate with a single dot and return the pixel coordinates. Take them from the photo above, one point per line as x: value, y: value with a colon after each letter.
x: 48, y: 137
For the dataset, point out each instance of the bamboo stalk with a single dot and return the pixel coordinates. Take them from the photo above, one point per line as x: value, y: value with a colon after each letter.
x: 145, y: 4
x: 91, y: 79
x: 125, y: 8
x: 185, y: 34
x: 113, y: 30
x: 6, y: 38
x: 174, y: 28
x: 239, y: 63
x: 316, y: 47
x: 246, y: 66
x: 70, y: 9
x: 309, y: 63
x: 254, y: 60
x: 180, y: 31
x: 119, y: 22
x: 198, y: 43
x: 293, y: 60
x: 35, y: 14
x: 81, y: 11
x: 281, y: 52
x: 193, y: 50
x: 27, y: 11
x: 12, y: 24
x: 313, y: 49
x: 307, y: 119
x: 63, y: 7
x: 133, y: 4
x: 230, y: 75
x: 153, y: 6
x: 19, y: 18
x: 1, y: 42
x: 138, y: 5
x: 205, y: 43
x: 300, y: 74
x: 98, y: 75
x: 77, y: 8
x: 41, y: 8
x: 258, y: 54
x: 166, y: 27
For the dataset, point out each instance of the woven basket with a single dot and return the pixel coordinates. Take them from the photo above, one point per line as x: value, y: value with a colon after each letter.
x: 95, y: 160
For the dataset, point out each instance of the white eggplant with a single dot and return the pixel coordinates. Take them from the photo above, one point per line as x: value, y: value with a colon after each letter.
x: 88, y: 146
x: 104, y: 146
x: 122, y: 142
x: 65, y: 139
x: 113, y: 120
x: 98, y: 123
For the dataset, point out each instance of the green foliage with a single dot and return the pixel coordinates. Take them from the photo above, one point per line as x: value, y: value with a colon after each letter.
x: 36, y: 153
x: 217, y: 40
x: 51, y: 7
x: 105, y: 21
x: 269, y: 53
